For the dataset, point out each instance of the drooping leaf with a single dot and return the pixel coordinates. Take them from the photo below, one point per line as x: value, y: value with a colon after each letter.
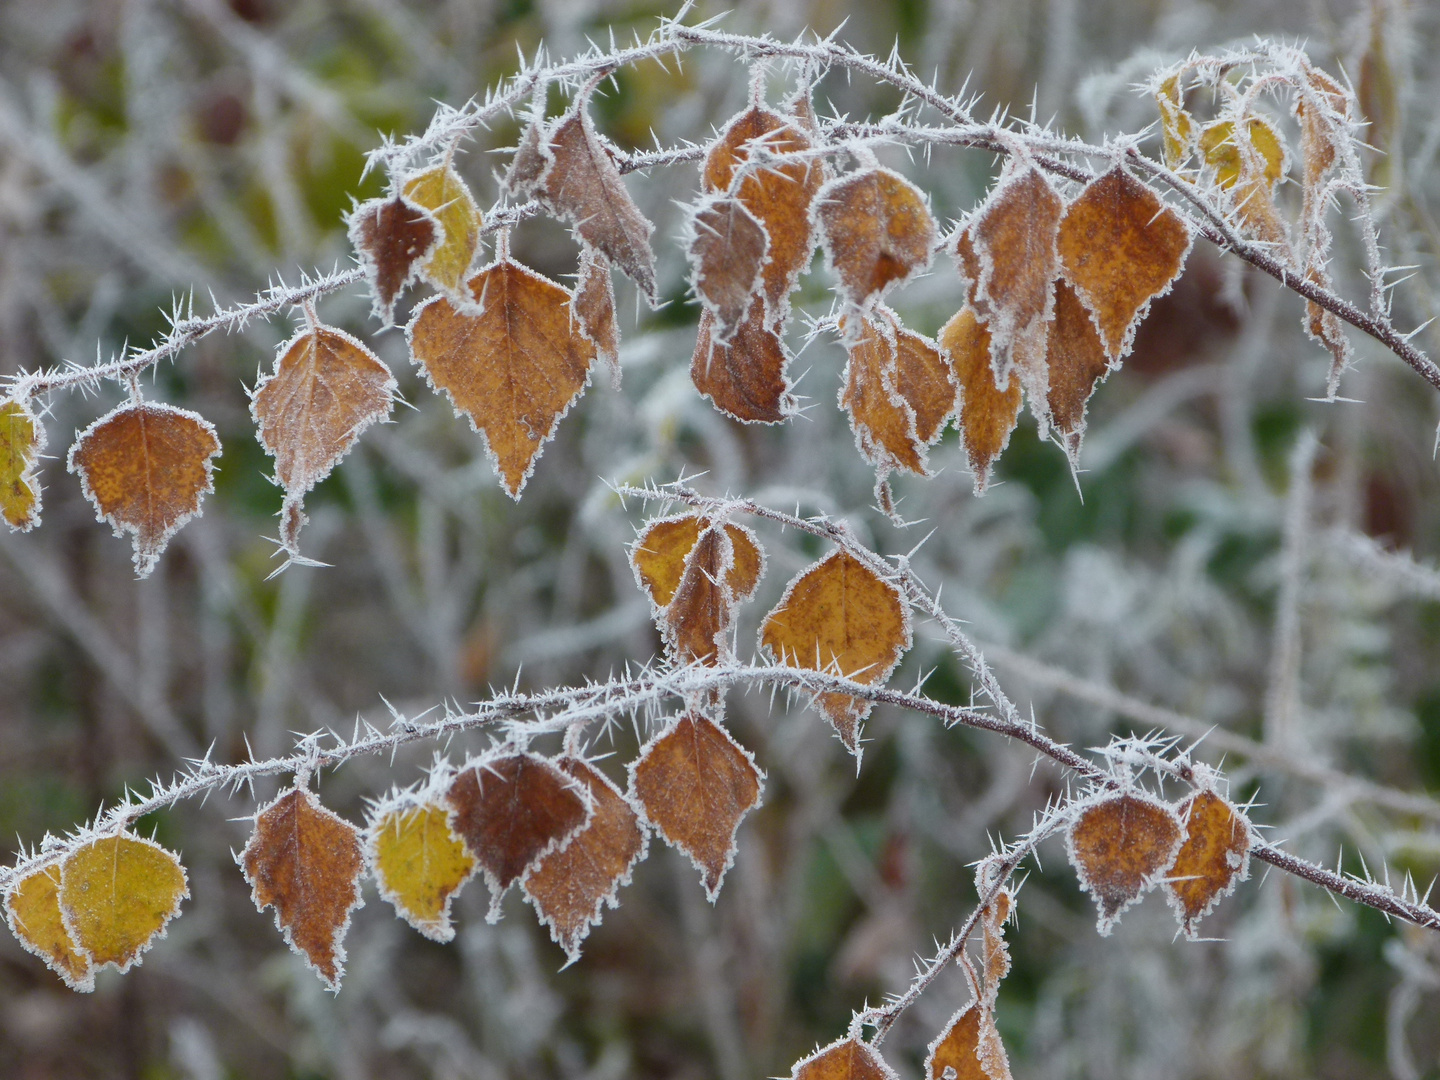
x: 987, y: 414
x: 594, y: 308
x: 1121, y: 846
x: 393, y: 237
x: 994, y: 952
x: 778, y: 193
x: 418, y: 863
x: 661, y: 551
x: 32, y: 909
x: 117, y: 894
x: 969, y: 1048
x: 1078, y: 364
x: 839, y: 616
x: 571, y: 887
x: 529, y: 163
x: 699, y: 616
x: 440, y: 190
x: 144, y: 467
x: 844, y: 1059
x: 1176, y: 125
x: 1121, y: 247
x: 21, y: 440
x: 728, y: 251
x: 511, y: 810
x: 327, y: 388
x: 582, y: 185
x: 745, y: 378
x: 305, y: 862
x: 1224, y: 153
x: 877, y: 231
x: 1213, y: 859
x: 694, y: 783
x: 514, y: 367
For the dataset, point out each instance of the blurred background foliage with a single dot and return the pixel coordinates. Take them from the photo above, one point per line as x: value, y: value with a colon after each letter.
x: 152, y: 148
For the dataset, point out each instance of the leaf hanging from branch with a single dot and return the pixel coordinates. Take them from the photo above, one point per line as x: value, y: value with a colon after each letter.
x: 116, y: 896
x: 1121, y: 846
x: 418, y: 863
x: 393, y: 237
x: 728, y: 251
x: 21, y: 440
x: 844, y: 1059
x: 1213, y: 859
x: 442, y: 192
x: 594, y: 308
x: 877, y: 232
x: 1078, y: 363
x: 32, y: 910
x: 987, y: 413
x: 745, y: 379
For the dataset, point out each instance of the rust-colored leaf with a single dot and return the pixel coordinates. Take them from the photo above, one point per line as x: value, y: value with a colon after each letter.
x: 839, y: 616
x: 529, y: 163
x: 777, y: 192
x: 327, y: 388
x: 1121, y: 247
x: 660, y: 553
x: 513, y: 366
x: 144, y: 467
x: 32, y: 909
x: 969, y: 1048
x: 417, y: 862
x: 745, y: 378
x: 1078, y: 363
x: 594, y: 308
x: 1121, y: 846
x: 512, y: 810
x: 693, y: 782
x: 21, y: 440
x: 1013, y: 241
x: 393, y: 238
x: 877, y: 231
x: 844, y: 1059
x: 987, y: 413
x: 441, y: 191
x: 571, y: 887
x: 721, y: 570
x: 305, y: 862
x: 1213, y: 859
x: 582, y: 185
x: 728, y: 249
x: 994, y: 952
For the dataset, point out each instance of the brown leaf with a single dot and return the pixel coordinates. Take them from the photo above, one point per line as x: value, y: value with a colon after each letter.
x: 327, y: 388
x: 1121, y: 247
x: 779, y: 194
x: 994, y: 953
x: 571, y: 887
x: 1321, y: 97
x: 144, y: 467
x: 728, y: 249
x: 393, y: 238
x: 514, y: 366
x: 594, y: 308
x: 844, y: 1059
x: 529, y: 163
x: 512, y: 810
x: 877, y: 231
x: 838, y: 616
x: 746, y: 378
x: 1012, y: 237
x: 1078, y: 364
x: 1214, y: 858
x: 305, y: 862
x: 693, y: 782
x: 660, y: 552
x: 987, y: 414
x: 1121, y: 846
x: 582, y: 185
x: 968, y: 1049
x: 21, y: 440
x: 721, y: 570
x: 441, y: 191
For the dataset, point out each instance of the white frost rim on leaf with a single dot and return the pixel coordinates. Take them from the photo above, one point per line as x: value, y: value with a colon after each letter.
x: 1105, y: 923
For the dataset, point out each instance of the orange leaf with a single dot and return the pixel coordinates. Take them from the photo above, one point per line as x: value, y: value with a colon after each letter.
x: 512, y: 810
x: 144, y: 467
x: 1121, y: 846
x: 877, y: 231
x: 582, y: 185
x: 693, y: 782
x: 745, y: 378
x: 838, y: 616
x: 393, y: 238
x: 1121, y: 248
x: 513, y: 366
x: 721, y: 570
x: 987, y: 414
x: 660, y: 553
x: 844, y: 1059
x: 305, y: 862
x: 1077, y: 365
x: 594, y: 308
x: 1214, y: 858
x: 326, y: 389
x: 778, y: 193
x: 21, y: 440
x: 968, y: 1049
x: 728, y: 249
x: 571, y: 887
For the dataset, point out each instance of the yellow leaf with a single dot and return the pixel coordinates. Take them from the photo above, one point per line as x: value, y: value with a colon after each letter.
x: 419, y: 864
x: 441, y: 191
x: 21, y: 440
x: 1227, y: 158
x: 116, y: 895
x: 32, y: 909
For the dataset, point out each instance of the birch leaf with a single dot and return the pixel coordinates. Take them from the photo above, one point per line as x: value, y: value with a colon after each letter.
x: 877, y: 232
x: 32, y: 909
x: 393, y: 238
x: 418, y: 863
x: 513, y: 367
x: 1177, y: 126
x: 728, y: 250
x: 745, y: 379
x: 116, y: 896
x: 1078, y: 363
x: 144, y: 467
x: 1213, y: 859
x: 844, y: 1059
x: 968, y: 1049
x: 529, y: 163
x: 305, y: 862
x: 721, y: 570
x: 442, y: 192
x: 694, y: 783
x: 987, y: 413
x: 594, y: 308
x: 21, y: 440
x: 1121, y: 846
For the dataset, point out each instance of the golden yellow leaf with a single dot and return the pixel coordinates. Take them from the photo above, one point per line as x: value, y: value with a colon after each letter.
x: 1224, y: 154
x: 987, y: 413
x: 969, y: 1048
x: 440, y: 190
x: 1176, y: 125
x: 839, y: 616
x: 116, y: 895
x: 1213, y: 859
x: 418, y: 863
x: 21, y: 440
x: 844, y: 1059
x: 1121, y: 845
x: 32, y: 909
